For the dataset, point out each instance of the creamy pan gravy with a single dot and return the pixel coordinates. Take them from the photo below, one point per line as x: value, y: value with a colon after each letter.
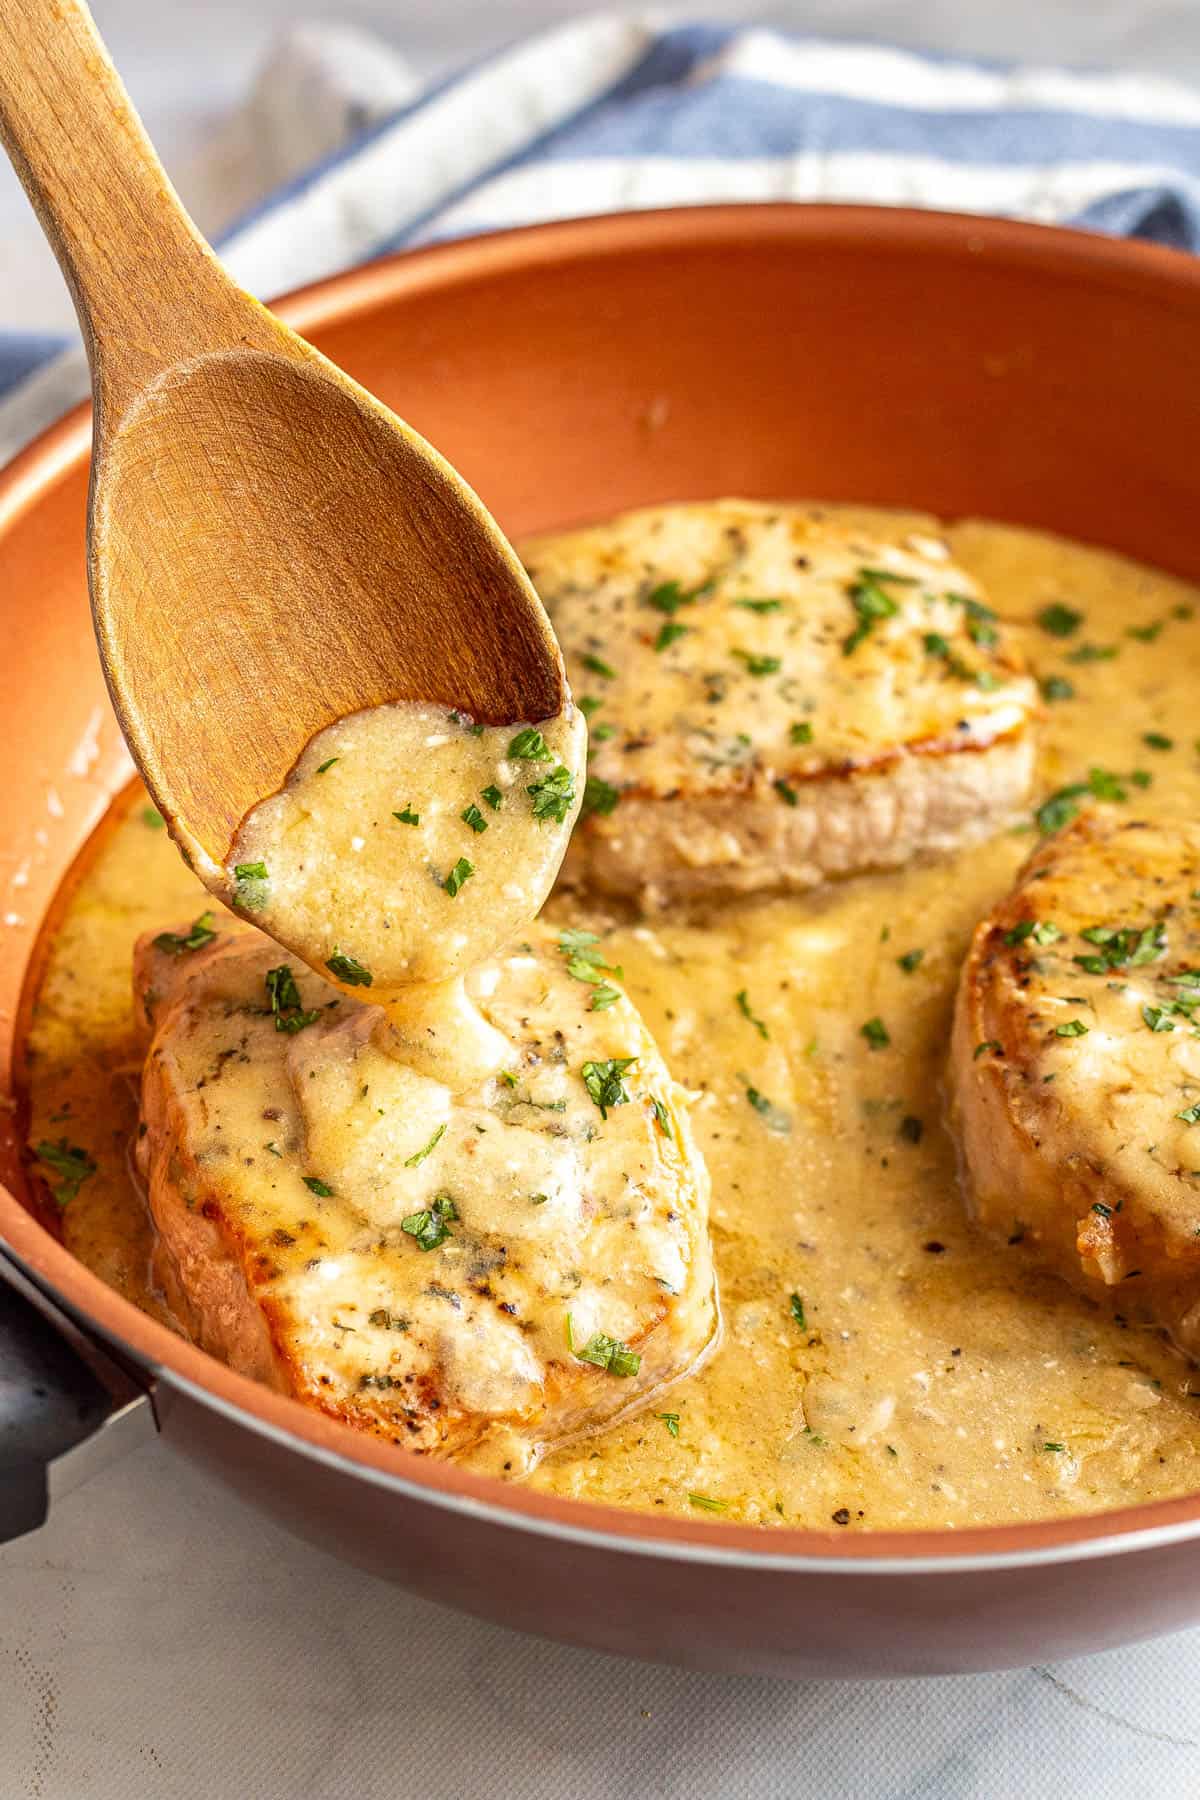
x: 882, y: 1363
x: 410, y: 842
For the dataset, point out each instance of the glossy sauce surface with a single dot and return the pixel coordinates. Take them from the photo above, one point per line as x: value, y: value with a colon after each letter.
x: 882, y: 1364
x: 409, y: 843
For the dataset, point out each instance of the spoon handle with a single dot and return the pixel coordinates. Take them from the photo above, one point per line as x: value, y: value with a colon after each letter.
x: 140, y: 274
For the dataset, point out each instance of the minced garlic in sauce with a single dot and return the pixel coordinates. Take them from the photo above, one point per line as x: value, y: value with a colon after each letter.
x: 882, y: 1363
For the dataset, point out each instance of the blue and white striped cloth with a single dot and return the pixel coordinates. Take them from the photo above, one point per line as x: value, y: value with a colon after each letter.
x: 617, y: 112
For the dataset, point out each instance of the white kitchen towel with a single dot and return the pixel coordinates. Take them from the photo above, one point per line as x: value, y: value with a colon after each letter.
x: 618, y: 111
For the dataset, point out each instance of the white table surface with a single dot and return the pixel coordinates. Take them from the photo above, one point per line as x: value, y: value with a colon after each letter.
x: 158, y: 1639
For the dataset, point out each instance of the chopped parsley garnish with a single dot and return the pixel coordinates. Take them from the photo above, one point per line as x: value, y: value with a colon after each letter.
x: 553, y: 796
x: 1060, y: 621
x: 981, y: 620
x: 743, y: 1001
x: 1122, y: 946
x: 662, y: 1117
x: 1158, y: 1018
x: 671, y: 1421
x: 588, y: 704
x: 604, y: 1081
x: 199, y: 933
x: 349, y: 969
x: 324, y: 768
x: 704, y: 1503
x: 797, y: 1311
x: 936, y: 644
x: 801, y: 732
x: 670, y: 631
x: 152, y: 819
x: 493, y: 796
x: 1190, y: 1115
x: 431, y: 1226
x: 599, y: 796
x: 669, y: 596
x: 760, y: 606
x: 585, y: 958
x: 1060, y: 808
x: 1155, y: 740
x: 987, y: 1044
x: 1055, y: 1449
x: 598, y: 666
x: 910, y: 961
x: 529, y: 746
x: 472, y: 816
x: 460, y: 873
x: 876, y: 1034
x: 1103, y: 784
x: 1040, y: 930
x: 772, y: 1116
x: 1090, y: 653
x: 71, y: 1164
x: 609, y: 1354
x: 285, y: 1000
x: 758, y: 665
x: 871, y: 604
x: 408, y: 816
x: 1073, y: 1028
x: 255, y: 871
x: 418, y: 1156
x: 1106, y: 785
x: 891, y: 575
x: 786, y: 792
x: 1145, y: 634
x: 316, y: 1186
x: 1056, y: 687
x: 603, y: 997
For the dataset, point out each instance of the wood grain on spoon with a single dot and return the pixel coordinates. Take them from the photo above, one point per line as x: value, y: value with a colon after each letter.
x: 269, y: 548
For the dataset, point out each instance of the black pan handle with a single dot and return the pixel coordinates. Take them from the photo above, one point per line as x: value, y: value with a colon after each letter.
x: 60, y: 1396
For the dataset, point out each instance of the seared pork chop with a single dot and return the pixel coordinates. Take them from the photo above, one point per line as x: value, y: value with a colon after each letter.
x: 484, y: 1269
x: 1076, y: 1063
x: 777, y: 698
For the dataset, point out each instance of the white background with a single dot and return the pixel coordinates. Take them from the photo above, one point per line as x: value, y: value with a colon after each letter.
x: 159, y: 1640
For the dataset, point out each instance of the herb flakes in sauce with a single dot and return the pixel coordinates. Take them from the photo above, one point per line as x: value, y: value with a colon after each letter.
x: 70, y: 1163
x: 553, y: 796
x: 604, y: 1081
x: 418, y: 1156
x: 459, y: 874
x: 348, y: 969
x: 286, y: 1004
x: 430, y: 1227
x: 529, y: 746
x: 200, y: 932
x: 610, y: 1354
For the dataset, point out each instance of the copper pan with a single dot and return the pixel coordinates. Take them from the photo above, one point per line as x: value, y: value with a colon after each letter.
x: 1034, y: 375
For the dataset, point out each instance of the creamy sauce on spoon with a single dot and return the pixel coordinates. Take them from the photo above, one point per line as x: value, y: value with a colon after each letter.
x: 409, y: 843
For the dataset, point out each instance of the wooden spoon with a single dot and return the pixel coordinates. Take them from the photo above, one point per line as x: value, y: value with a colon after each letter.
x: 269, y: 548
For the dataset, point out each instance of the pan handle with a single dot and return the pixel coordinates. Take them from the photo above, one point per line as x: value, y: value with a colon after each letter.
x: 66, y: 1408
